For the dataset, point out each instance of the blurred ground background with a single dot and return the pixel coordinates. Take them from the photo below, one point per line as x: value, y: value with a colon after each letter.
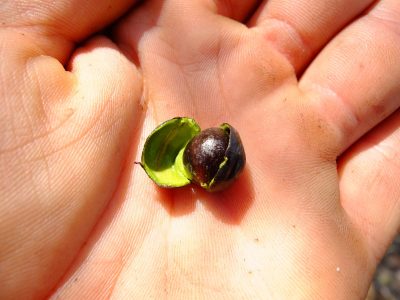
x: 386, y: 284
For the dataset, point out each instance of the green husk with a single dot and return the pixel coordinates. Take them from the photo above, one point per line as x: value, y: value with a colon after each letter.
x: 162, y: 156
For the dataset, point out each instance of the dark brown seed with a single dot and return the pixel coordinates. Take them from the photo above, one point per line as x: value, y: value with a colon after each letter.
x: 204, y: 154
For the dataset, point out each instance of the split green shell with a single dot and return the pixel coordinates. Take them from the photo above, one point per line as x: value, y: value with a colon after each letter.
x: 171, y: 159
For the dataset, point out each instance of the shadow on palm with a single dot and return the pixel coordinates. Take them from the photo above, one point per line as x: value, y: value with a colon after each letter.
x: 229, y: 206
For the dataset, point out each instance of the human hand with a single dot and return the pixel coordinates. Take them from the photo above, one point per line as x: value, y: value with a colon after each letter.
x: 311, y: 215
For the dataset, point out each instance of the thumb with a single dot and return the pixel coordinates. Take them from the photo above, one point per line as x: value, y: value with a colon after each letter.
x: 56, y: 183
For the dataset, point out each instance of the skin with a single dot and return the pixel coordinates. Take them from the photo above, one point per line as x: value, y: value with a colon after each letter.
x: 312, y: 87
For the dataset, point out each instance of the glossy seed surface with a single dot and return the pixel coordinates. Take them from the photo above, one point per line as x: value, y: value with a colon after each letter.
x: 204, y: 154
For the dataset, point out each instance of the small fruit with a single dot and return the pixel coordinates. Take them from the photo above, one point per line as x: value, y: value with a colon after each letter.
x: 177, y: 153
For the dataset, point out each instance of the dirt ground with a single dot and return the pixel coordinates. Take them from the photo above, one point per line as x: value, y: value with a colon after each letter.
x: 386, y: 284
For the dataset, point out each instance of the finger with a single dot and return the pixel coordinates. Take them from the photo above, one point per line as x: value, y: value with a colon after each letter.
x: 199, y: 68
x: 178, y: 14
x: 370, y: 185
x: 235, y: 9
x: 354, y: 83
x: 55, y: 26
x: 65, y: 165
x: 299, y: 29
